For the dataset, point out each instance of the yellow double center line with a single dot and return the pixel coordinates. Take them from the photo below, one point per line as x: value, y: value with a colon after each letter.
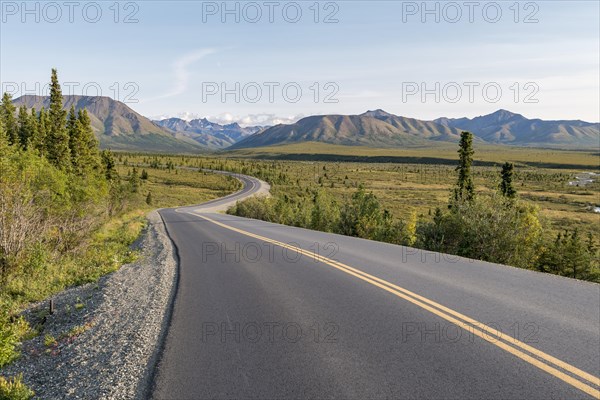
x: 533, y: 356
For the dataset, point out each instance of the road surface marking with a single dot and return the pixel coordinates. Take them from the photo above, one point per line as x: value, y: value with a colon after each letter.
x: 477, y: 328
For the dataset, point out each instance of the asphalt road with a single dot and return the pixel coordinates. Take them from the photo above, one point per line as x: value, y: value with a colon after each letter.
x: 270, y: 311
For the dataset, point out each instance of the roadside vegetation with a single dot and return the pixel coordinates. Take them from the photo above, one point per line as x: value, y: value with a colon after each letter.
x: 69, y: 212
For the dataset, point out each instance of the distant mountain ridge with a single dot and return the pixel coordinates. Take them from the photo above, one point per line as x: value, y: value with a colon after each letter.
x: 505, y: 127
x: 378, y: 128
x: 373, y: 128
x: 117, y: 126
x: 209, y: 134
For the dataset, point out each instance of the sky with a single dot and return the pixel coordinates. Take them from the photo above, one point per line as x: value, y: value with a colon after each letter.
x: 268, y: 62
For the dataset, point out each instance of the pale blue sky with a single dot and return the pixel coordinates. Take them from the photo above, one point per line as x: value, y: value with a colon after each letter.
x: 379, y: 54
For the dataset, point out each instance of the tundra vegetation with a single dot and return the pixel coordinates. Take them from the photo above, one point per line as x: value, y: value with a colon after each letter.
x: 68, y: 211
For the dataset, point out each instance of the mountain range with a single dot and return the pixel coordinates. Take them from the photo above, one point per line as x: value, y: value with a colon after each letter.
x: 382, y: 129
x: 209, y: 134
x: 119, y: 127
x: 505, y: 127
x: 373, y: 128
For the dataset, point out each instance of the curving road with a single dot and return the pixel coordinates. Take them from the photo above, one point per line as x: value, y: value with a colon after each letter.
x: 270, y: 311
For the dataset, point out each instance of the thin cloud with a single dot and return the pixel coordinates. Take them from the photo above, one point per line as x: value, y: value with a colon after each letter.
x: 181, y: 73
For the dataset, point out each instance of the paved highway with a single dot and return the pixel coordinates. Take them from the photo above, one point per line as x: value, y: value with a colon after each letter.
x: 270, y: 311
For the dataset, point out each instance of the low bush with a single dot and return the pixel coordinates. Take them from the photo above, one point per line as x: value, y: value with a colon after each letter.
x: 14, y: 389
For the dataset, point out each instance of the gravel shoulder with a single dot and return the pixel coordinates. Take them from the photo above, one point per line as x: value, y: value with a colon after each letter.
x: 107, y: 335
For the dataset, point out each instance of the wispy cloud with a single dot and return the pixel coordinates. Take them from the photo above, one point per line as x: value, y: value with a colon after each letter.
x: 181, y: 73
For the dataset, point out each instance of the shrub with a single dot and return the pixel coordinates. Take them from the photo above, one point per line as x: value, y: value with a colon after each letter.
x: 325, y: 213
x: 255, y: 207
x: 488, y: 228
x: 570, y: 256
x: 14, y: 389
x: 363, y: 217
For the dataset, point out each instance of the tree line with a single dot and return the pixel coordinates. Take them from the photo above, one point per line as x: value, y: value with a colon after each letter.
x: 55, y: 183
x: 66, y: 140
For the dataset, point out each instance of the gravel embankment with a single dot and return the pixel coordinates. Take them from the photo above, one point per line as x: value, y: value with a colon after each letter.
x: 108, y: 334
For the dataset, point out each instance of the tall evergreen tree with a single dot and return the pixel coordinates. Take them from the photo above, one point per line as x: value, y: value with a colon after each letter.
x: 506, y: 186
x: 82, y: 142
x: 73, y: 130
x: 38, y: 140
x: 57, y: 139
x: 465, y: 188
x: 33, y: 120
x: 27, y: 126
x: 90, y: 145
x: 7, y: 114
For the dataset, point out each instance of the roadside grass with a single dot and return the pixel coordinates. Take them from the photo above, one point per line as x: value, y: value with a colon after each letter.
x: 45, y: 272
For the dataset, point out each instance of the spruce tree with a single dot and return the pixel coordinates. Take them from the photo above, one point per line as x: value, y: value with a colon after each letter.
x: 85, y: 155
x: 33, y: 121
x: 90, y: 153
x: 38, y: 140
x: 27, y: 126
x: 149, y: 198
x: 57, y: 139
x: 74, y: 130
x: 134, y: 181
x: 465, y: 189
x: 7, y: 114
x: 108, y: 161
x: 23, y: 129
x: 506, y: 186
